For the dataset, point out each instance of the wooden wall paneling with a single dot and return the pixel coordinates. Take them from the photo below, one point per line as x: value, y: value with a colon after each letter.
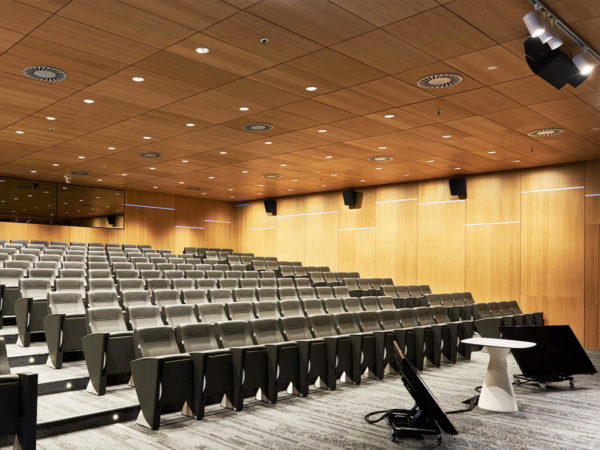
x: 189, y: 223
x: 12, y: 230
x: 48, y: 232
x: 259, y: 230
x: 396, y: 233
x: 552, y: 244
x: 86, y: 234
x: 290, y: 235
x: 592, y: 255
x: 493, y: 233
x: 322, y: 235
x: 219, y: 227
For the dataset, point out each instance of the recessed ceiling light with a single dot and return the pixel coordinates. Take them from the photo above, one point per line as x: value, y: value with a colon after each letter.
x: 190, y: 124
x: 492, y: 152
x: 323, y: 185
x: 20, y: 132
x: 329, y: 157
x: 261, y: 185
x: 382, y: 147
x: 322, y: 130
x: 545, y: 132
x: 283, y: 165
x: 492, y: 67
x: 389, y: 116
x: 138, y: 79
x: 154, y: 187
x: 431, y: 160
x: 439, y: 80
x: 152, y: 168
x: 50, y: 118
x: 182, y: 182
x: 334, y: 174
x: 244, y: 108
x: 362, y: 181
x: 184, y: 161
x: 99, y: 179
x: 81, y: 157
x: 446, y: 136
x: 290, y: 189
x: 310, y: 88
x: 202, y: 50
x: 112, y: 148
x: 56, y: 164
x: 89, y: 101
x: 259, y: 193
x: 457, y: 168
x: 595, y: 129
x: 268, y: 142
x: 211, y: 178
x: 380, y: 158
x: 123, y: 174
x: 516, y: 160
x: 378, y: 168
x: 230, y: 189
x: 147, y: 137
x: 97, y: 197
x: 222, y: 153
x: 295, y: 181
x: 244, y: 171
x: 232, y: 196
x: 33, y: 171
x: 204, y: 193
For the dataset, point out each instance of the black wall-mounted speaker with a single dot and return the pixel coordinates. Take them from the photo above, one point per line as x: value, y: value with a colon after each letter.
x: 349, y: 198
x: 112, y: 220
x: 271, y: 207
x: 458, y: 186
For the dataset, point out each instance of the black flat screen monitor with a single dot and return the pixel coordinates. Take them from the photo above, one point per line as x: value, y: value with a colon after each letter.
x: 558, y: 353
x: 421, y: 394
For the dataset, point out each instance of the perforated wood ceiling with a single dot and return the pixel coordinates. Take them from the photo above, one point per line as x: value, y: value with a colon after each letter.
x: 364, y: 57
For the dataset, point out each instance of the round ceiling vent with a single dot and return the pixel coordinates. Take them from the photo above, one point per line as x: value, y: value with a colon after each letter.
x: 79, y: 172
x: 380, y: 158
x: 439, y: 80
x: 545, y: 132
x: 44, y: 73
x: 194, y: 188
x: 271, y: 175
x: 150, y: 155
x: 257, y: 127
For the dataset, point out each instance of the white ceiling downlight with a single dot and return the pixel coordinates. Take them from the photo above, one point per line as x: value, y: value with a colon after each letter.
x: 257, y: 127
x: 439, y: 80
x: 44, y: 73
x: 545, y: 132
x: 380, y: 158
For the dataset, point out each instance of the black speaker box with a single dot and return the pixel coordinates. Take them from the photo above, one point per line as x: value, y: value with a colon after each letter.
x: 458, y: 186
x: 271, y: 207
x: 349, y: 198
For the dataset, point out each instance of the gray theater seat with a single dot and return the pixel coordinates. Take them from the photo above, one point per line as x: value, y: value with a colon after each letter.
x: 64, y: 326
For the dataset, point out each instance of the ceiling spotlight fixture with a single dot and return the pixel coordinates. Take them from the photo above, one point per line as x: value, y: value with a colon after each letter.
x: 295, y: 181
x: 33, y: 171
x: 362, y: 181
x: 222, y: 153
x: 81, y: 157
x: 147, y: 137
x: 311, y: 88
x: 123, y: 174
x: 152, y: 168
x: 202, y: 50
x: 582, y: 64
x: 190, y: 124
x: 324, y: 185
x: 154, y: 187
x: 378, y: 168
x: 99, y: 179
x: 20, y: 132
x: 211, y: 178
x: 446, y: 136
x: 439, y: 80
x: 546, y: 36
x: 380, y: 158
x: 322, y: 130
x: 533, y: 24
x: 407, y: 175
x: 382, y: 147
x: 230, y: 189
x: 457, y: 168
x: 150, y: 155
x: 389, y: 116
x: 56, y: 164
x: 50, y: 118
x: 138, y: 79
x: 261, y: 185
x: 545, y: 132
x: 555, y: 42
x: 290, y: 189
x: 182, y: 182
x: 257, y: 127
x: 89, y: 101
x: 283, y: 165
x: 334, y: 174
x: 244, y: 171
x: 516, y: 160
x: 271, y: 175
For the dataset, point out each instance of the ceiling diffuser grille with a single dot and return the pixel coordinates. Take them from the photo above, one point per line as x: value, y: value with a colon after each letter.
x: 545, y: 132
x: 380, y: 158
x: 44, y: 73
x: 257, y: 127
x: 439, y: 80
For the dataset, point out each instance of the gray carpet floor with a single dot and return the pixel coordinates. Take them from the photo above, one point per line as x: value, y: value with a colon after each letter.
x: 548, y: 419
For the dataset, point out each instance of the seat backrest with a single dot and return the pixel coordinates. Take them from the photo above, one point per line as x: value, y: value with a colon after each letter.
x: 21, y: 265
x: 425, y: 289
x: 249, y: 283
x: 514, y: 306
x: 285, y: 282
x: 291, y: 308
x: 228, y: 284
x: 346, y: 323
x: 235, y: 333
x: 333, y: 305
x: 341, y: 291
x: 195, y: 274
x: 288, y: 293
x: 324, y: 292
x: 150, y: 274
x: 446, y: 299
x: 250, y: 274
x: 424, y: 315
x: 215, y: 274
x: 179, y: 314
x: 266, y: 331
x: 495, y: 309
x: 73, y: 265
x: 71, y: 285
x: 368, y: 321
x: 352, y: 304
x: 266, y: 309
x: 155, y: 341
x: 99, y: 273
x: 158, y: 283
x: 138, y: 297
x: 363, y: 283
x: 267, y: 274
x: 440, y: 314
x: 468, y: 298
x: 185, y: 266
x: 322, y: 325
x: 370, y: 303
x: 203, y: 267
x: 36, y: 289
x: 103, y: 299
x: 267, y: 294
x: 197, y: 337
x: 388, y: 319
x: 386, y: 302
x: 194, y: 296
x: 234, y: 274
x: 122, y: 265
x: 164, y: 297
x: 240, y: 311
x: 458, y: 298
x: 211, y: 312
x: 126, y: 273
x: 245, y: 295
x: 69, y: 303
x: 402, y: 291
x: 307, y: 293
x: 127, y: 284
x: 407, y: 318
x: 206, y: 284
x: 220, y: 295
x: 98, y: 265
x: 433, y: 299
x: 268, y: 283
x: 144, y: 316
x: 295, y: 328
x: 313, y: 307
x: 164, y: 266
x: 106, y: 319
x: 48, y: 274
x: 183, y: 284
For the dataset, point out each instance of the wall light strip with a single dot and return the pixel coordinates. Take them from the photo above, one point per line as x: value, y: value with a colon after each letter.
x: 191, y: 228
x: 352, y: 229
x: 309, y: 214
x: 592, y: 195
x: 151, y: 207
x: 554, y: 189
x: 437, y: 203
x: 244, y: 204
x: 265, y: 228
x: 216, y: 221
x: 489, y: 223
x: 398, y: 200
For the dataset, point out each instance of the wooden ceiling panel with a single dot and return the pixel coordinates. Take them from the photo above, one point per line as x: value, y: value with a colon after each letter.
x: 438, y: 110
x: 530, y: 90
x: 384, y: 52
x: 322, y: 22
x: 245, y: 31
x: 401, y: 120
x: 476, y: 125
x: 252, y: 91
x: 316, y: 110
x: 282, y: 122
x: 441, y: 133
x: 393, y: 91
x: 295, y: 81
x: 365, y: 126
x: 588, y: 31
x: 564, y: 109
x: 382, y: 12
x: 452, y: 37
x: 521, y: 119
x: 8, y: 38
x: 482, y: 101
x: 353, y: 101
x: 126, y: 21
x: 21, y: 18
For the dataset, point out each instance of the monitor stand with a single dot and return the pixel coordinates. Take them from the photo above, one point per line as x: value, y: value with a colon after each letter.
x: 543, y: 382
